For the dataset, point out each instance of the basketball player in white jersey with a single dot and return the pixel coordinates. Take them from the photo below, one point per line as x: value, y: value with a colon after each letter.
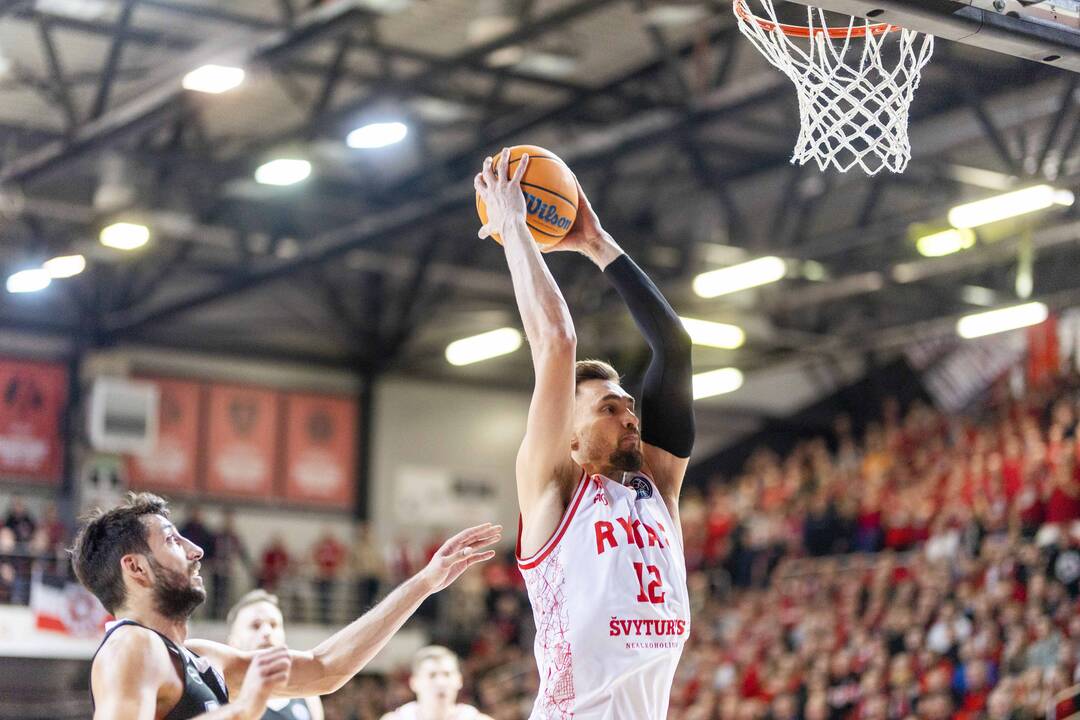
x: 436, y: 680
x: 599, y: 544
x: 256, y: 623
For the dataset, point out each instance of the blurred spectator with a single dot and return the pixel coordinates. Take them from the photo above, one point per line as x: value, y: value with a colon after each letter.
x: 195, y: 530
x: 275, y: 562
x: 20, y: 522
x: 368, y: 566
x: 7, y: 566
x: 54, y: 531
x: 229, y: 554
x: 22, y: 527
x: 329, y: 555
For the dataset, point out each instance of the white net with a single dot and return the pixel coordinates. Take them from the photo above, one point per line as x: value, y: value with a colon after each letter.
x: 854, y: 89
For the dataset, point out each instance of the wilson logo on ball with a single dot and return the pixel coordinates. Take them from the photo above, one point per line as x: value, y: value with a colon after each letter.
x: 545, y: 212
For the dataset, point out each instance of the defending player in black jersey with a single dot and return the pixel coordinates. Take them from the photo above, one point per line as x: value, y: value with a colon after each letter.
x: 147, y: 575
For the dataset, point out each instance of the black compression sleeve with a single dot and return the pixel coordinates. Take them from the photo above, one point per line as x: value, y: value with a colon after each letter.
x: 667, y: 398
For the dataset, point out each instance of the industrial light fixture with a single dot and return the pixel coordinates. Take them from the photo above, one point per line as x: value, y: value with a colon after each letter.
x: 125, y: 236
x: 717, y: 382
x: 547, y: 64
x: 483, y: 346
x: 945, y: 242
x: 26, y: 281
x: 377, y: 135
x: 1010, y: 204
x: 85, y: 10
x: 676, y: 15
x: 64, y: 266
x: 283, y: 171
x: 506, y: 56
x: 745, y: 275
x: 714, y: 334
x: 1001, y: 320
x: 213, y: 79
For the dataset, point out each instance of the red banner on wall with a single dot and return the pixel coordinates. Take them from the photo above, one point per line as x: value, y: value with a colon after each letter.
x: 320, y: 450
x: 242, y: 442
x: 33, y: 396
x: 173, y: 465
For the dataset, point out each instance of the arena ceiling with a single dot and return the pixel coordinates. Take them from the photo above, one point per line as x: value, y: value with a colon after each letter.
x: 676, y: 127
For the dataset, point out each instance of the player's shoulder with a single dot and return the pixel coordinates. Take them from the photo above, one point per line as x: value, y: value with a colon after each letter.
x: 132, y: 652
x: 468, y: 712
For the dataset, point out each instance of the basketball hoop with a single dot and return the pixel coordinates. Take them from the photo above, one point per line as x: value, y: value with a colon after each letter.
x: 851, y: 111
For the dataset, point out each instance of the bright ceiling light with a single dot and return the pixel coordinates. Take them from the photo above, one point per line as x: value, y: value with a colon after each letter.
x: 377, y: 135
x: 1011, y: 204
x: 548, y: 64
x: 125, y: 236
x: 506, y: 56
x: 714, y: 334
x: 945, y: 242
x: 26, y: 281
x: 717, y: 382
x: 745, y: 275
x: 64, y: 266
x: 283, y: 171
x: 77, y: 9
x: 213, y: 79
x: 670, y: 15
x: 483, y: 346
x: 1001, y: 320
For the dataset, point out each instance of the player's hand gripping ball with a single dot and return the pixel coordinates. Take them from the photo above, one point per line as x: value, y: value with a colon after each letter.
x: 550, y: 191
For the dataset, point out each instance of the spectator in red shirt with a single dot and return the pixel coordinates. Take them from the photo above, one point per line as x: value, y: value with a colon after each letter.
x: 975, y: 687
x: 329, y: 555
x: 1062, y: 495
x: 275, y: 561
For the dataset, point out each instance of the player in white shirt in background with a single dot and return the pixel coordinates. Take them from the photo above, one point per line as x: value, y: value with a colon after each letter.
x: 436, y: 681
x: 256, y: 623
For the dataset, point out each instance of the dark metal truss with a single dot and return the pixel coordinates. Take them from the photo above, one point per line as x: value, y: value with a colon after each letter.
x: 658, y: 91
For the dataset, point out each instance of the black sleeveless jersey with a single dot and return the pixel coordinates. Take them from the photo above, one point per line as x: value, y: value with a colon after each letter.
x: 296, y: 709
x: 204, y: 688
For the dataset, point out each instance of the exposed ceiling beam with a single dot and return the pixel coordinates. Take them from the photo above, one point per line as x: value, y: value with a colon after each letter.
x: 158, y: 101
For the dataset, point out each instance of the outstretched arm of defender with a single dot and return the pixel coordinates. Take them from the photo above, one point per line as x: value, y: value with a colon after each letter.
x: 338, y: 658
x: 543, y: 462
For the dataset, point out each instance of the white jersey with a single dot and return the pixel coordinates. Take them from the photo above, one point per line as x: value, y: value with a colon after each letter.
x: 411, y: 711
x: 609, y: 597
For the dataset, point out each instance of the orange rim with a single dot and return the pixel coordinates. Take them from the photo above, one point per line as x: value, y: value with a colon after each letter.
x: 804, y: 32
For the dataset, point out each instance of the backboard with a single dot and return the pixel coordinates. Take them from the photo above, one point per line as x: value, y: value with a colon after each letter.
x: 1045, y: 31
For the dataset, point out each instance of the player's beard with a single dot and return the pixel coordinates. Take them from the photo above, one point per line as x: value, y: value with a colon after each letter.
x: 174, y: 595
x: 626, y: 460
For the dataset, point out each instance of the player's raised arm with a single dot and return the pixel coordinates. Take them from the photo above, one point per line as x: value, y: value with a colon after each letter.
x: 667, y: 402
x: 337, y: 659
x: 543, y: 464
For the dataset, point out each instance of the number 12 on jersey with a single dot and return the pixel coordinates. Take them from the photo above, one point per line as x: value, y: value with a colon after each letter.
x: 654, y: 592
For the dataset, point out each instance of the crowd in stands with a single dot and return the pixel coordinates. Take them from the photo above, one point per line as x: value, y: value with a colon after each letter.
x: 927, y: 568
x: 25, y: 540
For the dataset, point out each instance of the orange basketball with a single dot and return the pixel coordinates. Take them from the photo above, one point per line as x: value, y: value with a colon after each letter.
x: 550, y: 194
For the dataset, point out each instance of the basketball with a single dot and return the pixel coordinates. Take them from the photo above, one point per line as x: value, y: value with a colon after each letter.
x: 550, y: 194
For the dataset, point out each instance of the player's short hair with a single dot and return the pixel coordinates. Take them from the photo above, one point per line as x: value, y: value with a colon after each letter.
x: 255, y: 596
x: 433, y: 652
x: 109, y: 535
x: 585, y: 370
